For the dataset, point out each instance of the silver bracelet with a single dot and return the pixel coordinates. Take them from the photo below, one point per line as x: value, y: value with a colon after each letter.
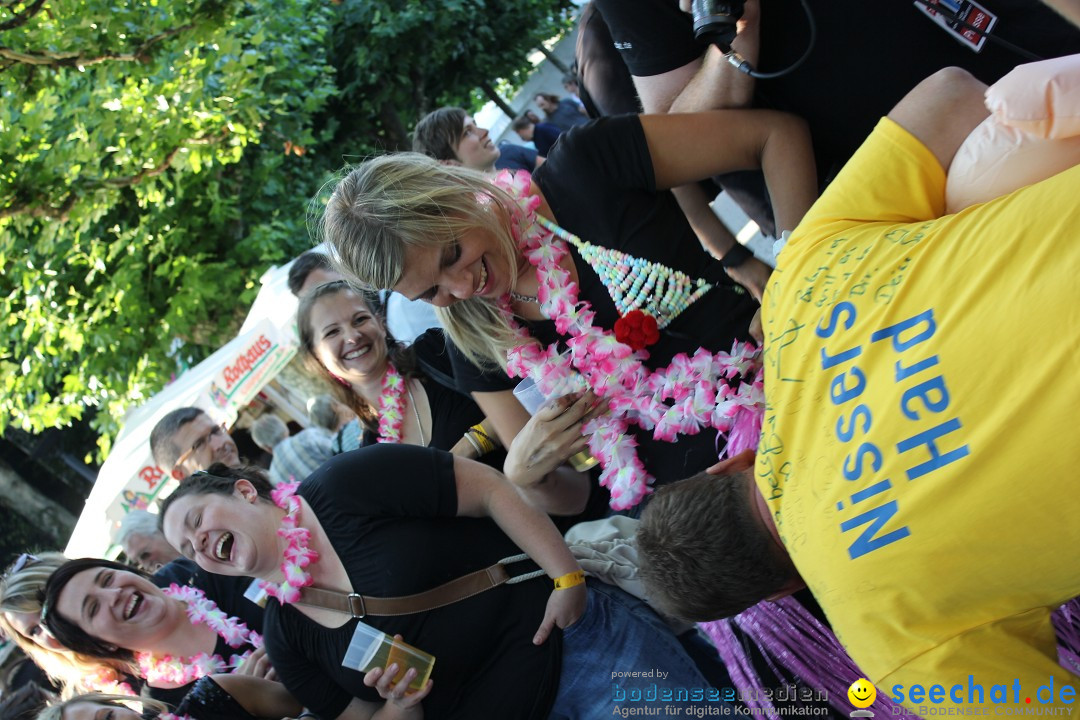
x: 476, y: 445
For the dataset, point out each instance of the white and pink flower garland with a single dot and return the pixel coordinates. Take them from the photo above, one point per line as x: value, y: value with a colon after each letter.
x: 297, y: 555
x: 686, y: 396
x: 106, y: 680
x: 200, y: 610
x: 392, y: 405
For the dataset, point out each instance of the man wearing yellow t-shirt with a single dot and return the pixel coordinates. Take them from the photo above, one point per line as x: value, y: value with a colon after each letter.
x: 918, y: 439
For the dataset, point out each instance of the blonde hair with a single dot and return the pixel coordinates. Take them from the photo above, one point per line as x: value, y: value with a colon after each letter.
x: 56, y: 711
x: 390, y: 203
x: 23, y: 592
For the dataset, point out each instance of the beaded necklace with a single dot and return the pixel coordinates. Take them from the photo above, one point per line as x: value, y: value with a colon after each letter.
x: 297, y: 555
x: 200, y: 610
x: 633, y: 283
x: 692, y: 393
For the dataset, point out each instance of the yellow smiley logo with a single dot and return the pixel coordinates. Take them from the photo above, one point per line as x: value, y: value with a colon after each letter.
x: 862, y: 694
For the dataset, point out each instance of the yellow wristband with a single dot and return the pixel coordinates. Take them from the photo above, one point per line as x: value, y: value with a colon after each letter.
x: 569, y: 580
x: 485, y: 441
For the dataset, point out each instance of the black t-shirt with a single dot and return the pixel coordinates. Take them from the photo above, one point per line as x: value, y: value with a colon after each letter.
x: 599, y: 185
x: 398, y: 534
x: 227, y: 592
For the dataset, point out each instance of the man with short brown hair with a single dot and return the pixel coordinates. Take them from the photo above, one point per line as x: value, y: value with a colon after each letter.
x: 187, y: 439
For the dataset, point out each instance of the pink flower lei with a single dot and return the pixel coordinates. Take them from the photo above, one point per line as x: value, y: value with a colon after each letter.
x: 392, y: 405
x: 106, y: 680
x: 297, y: 555
x: 173, y: 716
x: 200, y: 610
x: 689, y: 394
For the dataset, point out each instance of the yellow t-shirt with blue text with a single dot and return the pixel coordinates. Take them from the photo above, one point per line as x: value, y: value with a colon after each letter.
x: 919, y: 445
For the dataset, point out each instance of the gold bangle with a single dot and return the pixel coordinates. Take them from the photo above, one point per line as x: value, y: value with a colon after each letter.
x: 569, y: 580
x: 483, y: 438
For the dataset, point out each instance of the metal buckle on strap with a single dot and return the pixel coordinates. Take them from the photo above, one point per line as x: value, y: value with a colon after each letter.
x: 355, y: 598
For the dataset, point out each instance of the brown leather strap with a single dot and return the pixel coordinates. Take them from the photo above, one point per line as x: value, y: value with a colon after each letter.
x: 358, y: 606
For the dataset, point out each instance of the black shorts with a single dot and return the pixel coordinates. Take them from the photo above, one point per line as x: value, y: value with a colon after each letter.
x: 653, y: 36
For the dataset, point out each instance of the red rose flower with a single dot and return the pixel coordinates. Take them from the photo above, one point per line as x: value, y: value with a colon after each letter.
x: 637, y: 329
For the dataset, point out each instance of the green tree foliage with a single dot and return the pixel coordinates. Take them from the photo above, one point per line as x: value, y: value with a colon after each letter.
x: 129, y: 148
x: 156, y: 156
x: 399, y: 59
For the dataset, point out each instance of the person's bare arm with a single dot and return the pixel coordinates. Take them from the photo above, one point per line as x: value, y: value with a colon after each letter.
x: 398, y: 704
x: 942, y: 110
x: 711, y: 232
x: 689, y: 147
x: 484, y: 492
x: 537, y: 449
x: 718, y: 240
x: 716, y: 84
x: 710, y: 83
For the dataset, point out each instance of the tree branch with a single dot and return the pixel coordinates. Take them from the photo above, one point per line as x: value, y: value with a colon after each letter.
x: 46, y: 211
x: 76, y: 59
x: 21, y: 18
x: 137, y: 178
x: 496, y: 98
x: 63, y: 210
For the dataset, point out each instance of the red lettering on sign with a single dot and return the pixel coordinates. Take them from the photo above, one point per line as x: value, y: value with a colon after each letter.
x: 243, y: 365
x: 151, y: 475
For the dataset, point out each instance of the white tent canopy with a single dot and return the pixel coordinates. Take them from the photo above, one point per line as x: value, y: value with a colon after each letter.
x: 222, y: 385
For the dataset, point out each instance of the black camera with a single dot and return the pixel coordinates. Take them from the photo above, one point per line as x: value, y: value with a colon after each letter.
x: 714, y: 21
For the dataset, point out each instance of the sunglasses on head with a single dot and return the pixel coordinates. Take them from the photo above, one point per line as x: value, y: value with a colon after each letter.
x: 21, y: 562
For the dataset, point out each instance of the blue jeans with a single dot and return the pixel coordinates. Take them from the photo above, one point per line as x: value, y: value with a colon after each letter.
x: 619, y: 635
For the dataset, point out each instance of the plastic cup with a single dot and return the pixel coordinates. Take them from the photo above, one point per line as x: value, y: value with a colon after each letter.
x: 528, y: 394
x: 371, y: 648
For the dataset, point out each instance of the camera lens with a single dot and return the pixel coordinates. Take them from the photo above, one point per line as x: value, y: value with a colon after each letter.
x: 714, y: 21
